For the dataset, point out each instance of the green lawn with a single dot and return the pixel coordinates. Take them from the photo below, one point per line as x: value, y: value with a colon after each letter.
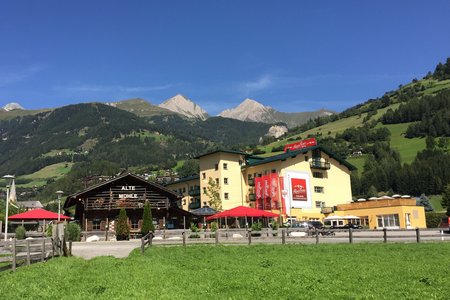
x: 40, y: 177
x: 339, y: 271
x: 436, y: 203
x: 407, y: 148
x: 358, y: 162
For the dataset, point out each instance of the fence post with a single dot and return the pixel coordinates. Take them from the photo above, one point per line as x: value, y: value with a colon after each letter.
x: 217, y: 236
x: 43, y: 250
x: 184, y: 238
x: 142, y: 244
x: 317, y: 235
x: 249, y: 236
x: 150, y: 241
x: 384, y: 235
x: 350, y: 235
x: 283, y: 236
x: 418, y: 234
x: 70, y: 248
x: 28, y: 253
x: 14, y: 254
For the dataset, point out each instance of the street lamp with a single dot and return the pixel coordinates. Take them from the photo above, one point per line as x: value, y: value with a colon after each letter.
x: 59, y: 193
x: 11, y: 178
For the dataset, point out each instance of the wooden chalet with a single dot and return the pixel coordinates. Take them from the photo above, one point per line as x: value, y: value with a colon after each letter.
x: 97, y: 207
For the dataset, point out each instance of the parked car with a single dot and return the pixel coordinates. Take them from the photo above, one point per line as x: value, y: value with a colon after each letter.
x: 353, y: 226
x: 315, y: 224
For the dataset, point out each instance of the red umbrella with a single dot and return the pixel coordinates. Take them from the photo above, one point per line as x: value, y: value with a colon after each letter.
x: 243, y: 211
x: 37, y: 214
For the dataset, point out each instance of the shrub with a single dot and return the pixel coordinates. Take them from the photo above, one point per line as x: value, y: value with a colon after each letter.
x: 20, y: 233
x: 194, y: 229
x: 122, y: 228
x: 73, y: 232
x: 433, y: 219
x: 214, y: 226
x: 147, y: 220
x: 49, y: 230
x: 256, y: 227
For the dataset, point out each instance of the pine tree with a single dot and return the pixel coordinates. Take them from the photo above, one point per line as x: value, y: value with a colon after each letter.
x: 147, y: 220
x: 122, y: 228
x: 446, y: 199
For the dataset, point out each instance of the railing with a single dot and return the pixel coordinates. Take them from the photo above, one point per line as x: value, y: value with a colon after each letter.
x: 320, y: 165
x: 251, y: 182
x: 194, y: 192
x: 194, y: 205
x: 251, y: 197
x: 15, y: 253
x: 290, y: 236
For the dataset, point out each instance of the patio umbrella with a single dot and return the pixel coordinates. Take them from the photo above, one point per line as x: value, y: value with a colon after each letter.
x: 243, y: 211
x: 350, y: 217
x: 334, y: 218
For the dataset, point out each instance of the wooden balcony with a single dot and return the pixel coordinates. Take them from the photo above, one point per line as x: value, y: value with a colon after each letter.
x: 320, y: 165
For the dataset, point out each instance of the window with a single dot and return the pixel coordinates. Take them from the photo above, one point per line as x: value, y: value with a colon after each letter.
x: 225, y: 180
x: 96, y: 224
x: 365, y: 221
x: 225, y: 195
x: 319, y: 189
x: 217, y: 181
x: 203, y: 175
x: 134, y: 224
x: 388, y: 221
x: 204, y: 190
x: 273, y: 171
x: 317, y: 174
x: 225, y: 166
x: 216, y: 167
x: 306, y: 158
x: 318, y: 204
x: 184, y: 189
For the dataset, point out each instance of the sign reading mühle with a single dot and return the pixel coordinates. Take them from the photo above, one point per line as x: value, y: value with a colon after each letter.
x: 128, y: 195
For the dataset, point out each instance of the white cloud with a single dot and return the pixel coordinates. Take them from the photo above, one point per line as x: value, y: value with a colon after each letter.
x: 113, y: 88
x: 253, y: 86
x: 8, y: 78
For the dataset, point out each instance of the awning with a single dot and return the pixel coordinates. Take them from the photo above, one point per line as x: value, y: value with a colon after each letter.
x: 243, y: 211
x: 334, y: 218
x: 38, y: 214
x: 350, y: 217
x: 204, y: 211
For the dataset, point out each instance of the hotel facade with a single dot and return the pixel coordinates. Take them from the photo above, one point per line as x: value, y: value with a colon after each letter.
x: 307, y: 184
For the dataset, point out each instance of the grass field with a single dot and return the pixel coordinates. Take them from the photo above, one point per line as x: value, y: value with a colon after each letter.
x: 40, y: 177
x: 407, y: 148
x: 436, y: 203
x: 339, y: 271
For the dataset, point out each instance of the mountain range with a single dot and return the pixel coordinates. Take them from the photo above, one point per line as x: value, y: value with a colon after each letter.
x: 249, y: 110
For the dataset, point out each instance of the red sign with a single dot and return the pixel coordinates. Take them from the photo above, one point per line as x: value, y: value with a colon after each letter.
x: 300, y: 145
x: 299, y: 189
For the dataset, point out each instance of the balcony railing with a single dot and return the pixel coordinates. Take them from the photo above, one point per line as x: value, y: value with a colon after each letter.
x: 326, y: 210
x: 194, y: 192
x: 251, y: 182
x: 320, y: 165
x: 194, y: 205
x: 252, y: 197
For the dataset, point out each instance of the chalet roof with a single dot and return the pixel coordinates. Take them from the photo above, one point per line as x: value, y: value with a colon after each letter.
x: 289, y: 154
x: 71, y: 199
x: 224, y: 151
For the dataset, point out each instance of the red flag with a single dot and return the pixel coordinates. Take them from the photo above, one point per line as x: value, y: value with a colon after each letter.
x: 274, y: 190
x: 259, y: 192
x: 266, y: 185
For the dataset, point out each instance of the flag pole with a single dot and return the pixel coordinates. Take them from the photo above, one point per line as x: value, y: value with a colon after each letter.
x: 7, y: 206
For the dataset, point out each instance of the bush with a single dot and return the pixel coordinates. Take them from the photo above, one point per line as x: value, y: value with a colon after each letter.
x: 214, y: 226
x: 49, y: 231
x: 194, y: 229
x: 122, y: 228
x: 20, y: 233
x: 433, y: 219
x: 256, y: 227
x: 73, y: 232
x: 147, y: 220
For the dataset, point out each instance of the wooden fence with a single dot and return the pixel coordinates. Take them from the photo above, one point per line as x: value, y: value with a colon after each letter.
x: 290, y: 236
x: 16, y: 253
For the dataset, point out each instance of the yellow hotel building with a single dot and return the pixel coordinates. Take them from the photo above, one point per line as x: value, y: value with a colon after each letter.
x: 325, y: 176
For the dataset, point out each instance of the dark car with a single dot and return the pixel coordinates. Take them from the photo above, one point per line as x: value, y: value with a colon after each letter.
x: 353, y: 226
x: 315, y: 224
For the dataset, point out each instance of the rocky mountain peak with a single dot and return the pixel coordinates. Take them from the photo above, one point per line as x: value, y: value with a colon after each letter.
x: 248, y: 110
x: 12, y: 106
x: 185, y: 106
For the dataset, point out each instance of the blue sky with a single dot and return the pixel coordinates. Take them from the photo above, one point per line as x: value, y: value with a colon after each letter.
x: 291, y: 55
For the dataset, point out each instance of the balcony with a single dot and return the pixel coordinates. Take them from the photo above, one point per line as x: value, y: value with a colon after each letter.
x: 251, y: 197
x: 251, y: 182
x: 194, y: 192
x: 326, y: 210
x: 320, y: 165
x: 194, y: 205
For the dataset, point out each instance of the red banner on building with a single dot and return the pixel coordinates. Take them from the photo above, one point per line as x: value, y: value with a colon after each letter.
x: 300, y: 145
x: 259, y: 192
x: 274, y: 191
x: 266, y: 194
x: 298, y: 189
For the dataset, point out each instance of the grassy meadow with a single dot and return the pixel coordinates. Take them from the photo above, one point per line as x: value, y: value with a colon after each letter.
x: 327, y: 271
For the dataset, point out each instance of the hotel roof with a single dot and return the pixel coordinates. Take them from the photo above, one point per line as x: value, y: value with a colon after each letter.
x: 290, y: 154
